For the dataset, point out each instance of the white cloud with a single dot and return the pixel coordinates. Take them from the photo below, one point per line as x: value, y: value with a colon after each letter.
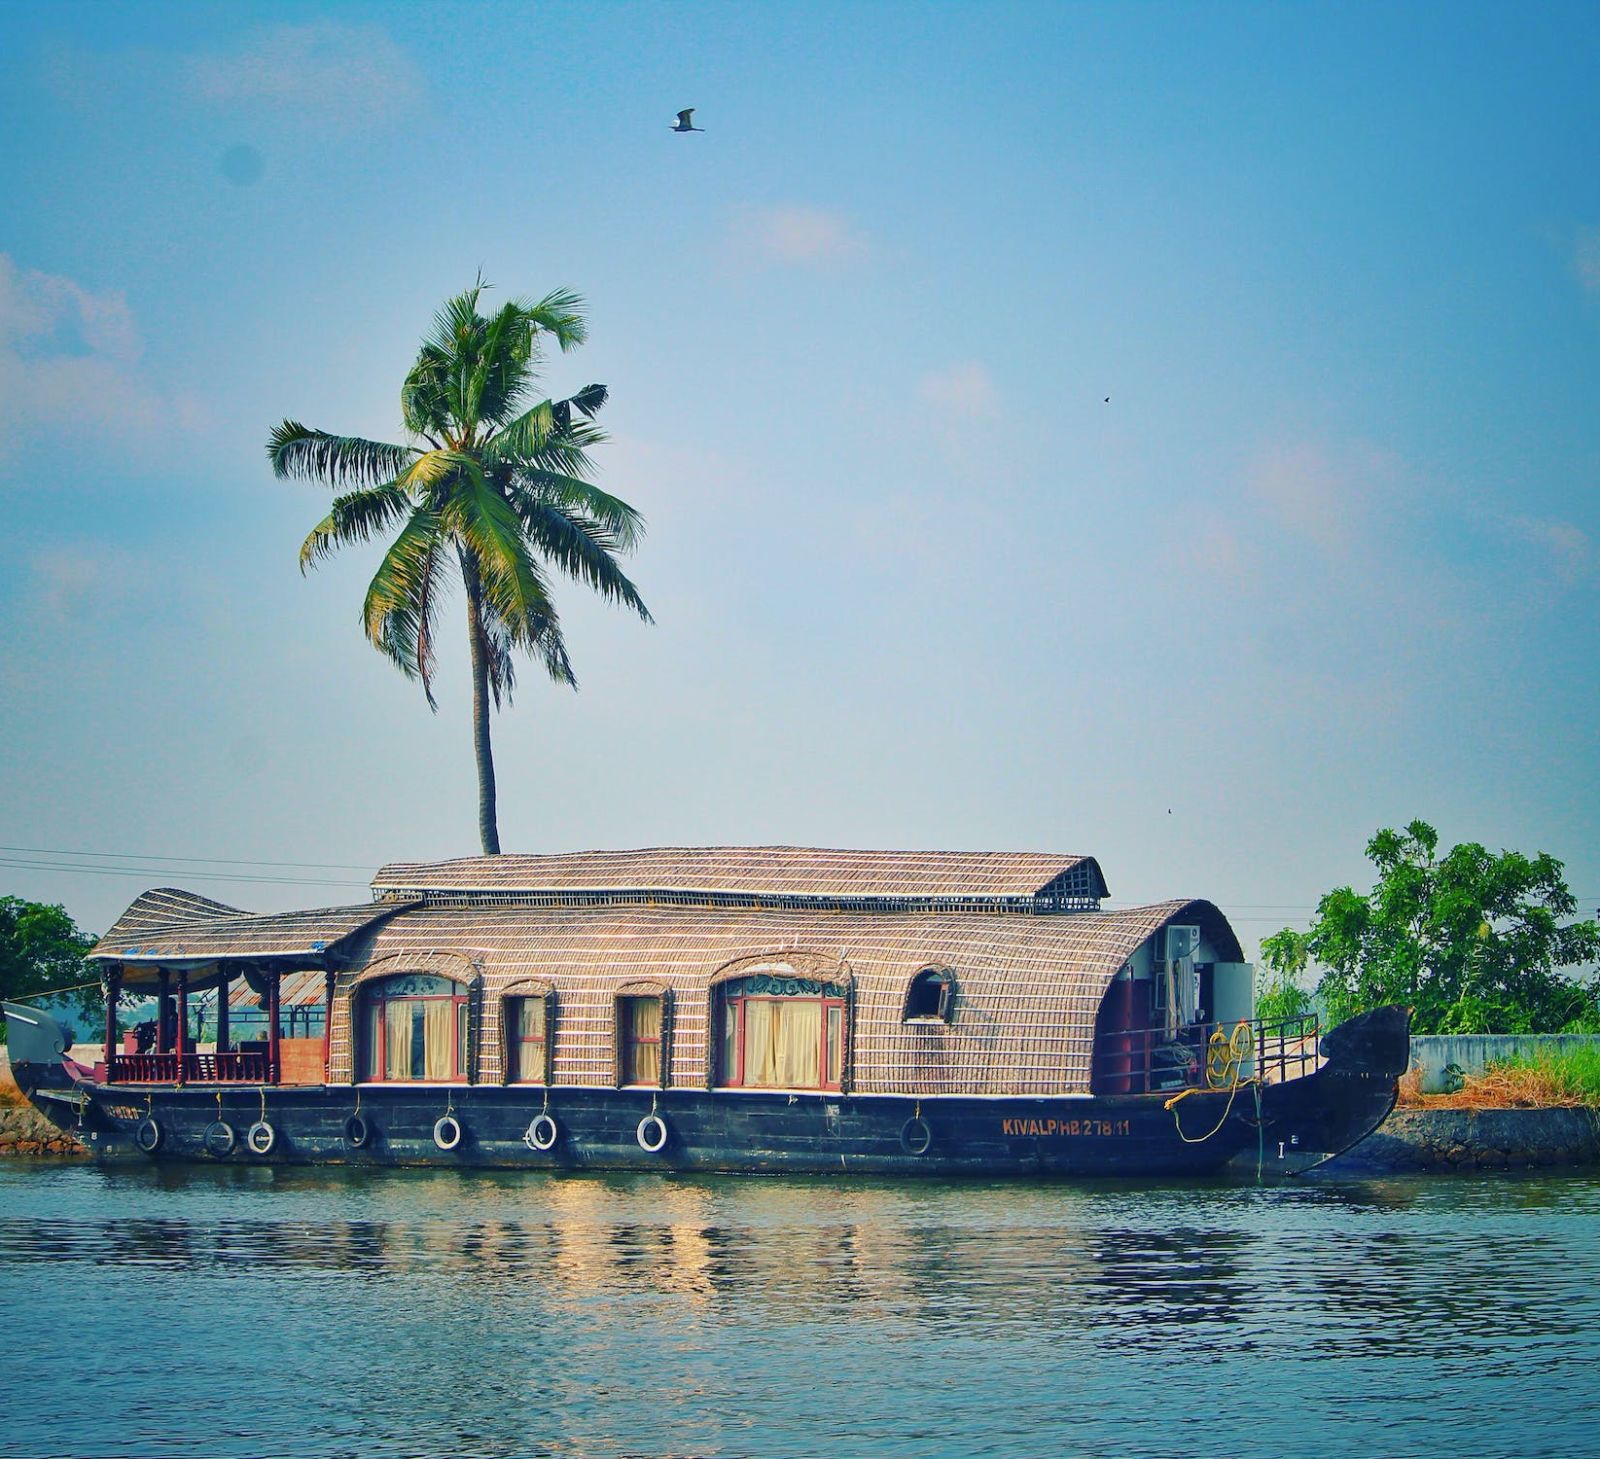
x: 71, y: 582
x: 1214, y: 554
x: 798, y: 235
x: 69, y: 361
x: 1586, y: 259
x: 1565, y: 545
x: 320, y: 74
x: 965, y: 391
x: 1322, y: 493
x: 324, y: 70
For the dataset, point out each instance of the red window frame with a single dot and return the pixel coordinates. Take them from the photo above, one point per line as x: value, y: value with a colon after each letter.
x: 523, y: 1048
x: 831, y: 1079
x: 377, y: 1055
x: 628, y: 1041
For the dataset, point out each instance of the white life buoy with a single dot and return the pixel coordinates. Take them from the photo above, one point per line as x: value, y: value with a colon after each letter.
x: 542, y: 1134
x: 261, y: 1138
x: 447, y: 1132
x: 652, y: 1134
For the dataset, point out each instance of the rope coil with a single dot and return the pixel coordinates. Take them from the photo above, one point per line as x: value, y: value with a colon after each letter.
x: 1226, y: 1055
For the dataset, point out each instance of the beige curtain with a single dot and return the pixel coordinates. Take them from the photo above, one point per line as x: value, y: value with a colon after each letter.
x: 643, y: 1063
x: 528, y: 1056
x: 397, y: 1039
x: 783, y: 1043
x: 438, y: 1038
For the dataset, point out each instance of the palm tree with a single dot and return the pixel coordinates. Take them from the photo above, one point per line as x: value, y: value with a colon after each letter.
x: 492, y: 487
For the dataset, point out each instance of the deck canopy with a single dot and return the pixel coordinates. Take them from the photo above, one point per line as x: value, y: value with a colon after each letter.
x: 769, y: 876
x: 172, y: 929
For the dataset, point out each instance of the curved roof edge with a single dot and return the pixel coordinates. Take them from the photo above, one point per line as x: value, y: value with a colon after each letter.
x: 797, y: 874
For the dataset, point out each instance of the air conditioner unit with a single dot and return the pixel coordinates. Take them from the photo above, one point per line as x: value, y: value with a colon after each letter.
x: 1182, y: 942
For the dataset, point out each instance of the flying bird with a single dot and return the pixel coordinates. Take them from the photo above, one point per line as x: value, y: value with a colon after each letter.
x: 684, y: 124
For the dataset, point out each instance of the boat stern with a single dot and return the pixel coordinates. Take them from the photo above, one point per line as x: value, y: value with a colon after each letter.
x: 1309, y: 1120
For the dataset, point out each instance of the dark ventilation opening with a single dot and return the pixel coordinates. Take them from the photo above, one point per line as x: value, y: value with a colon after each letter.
x: 929, y: 996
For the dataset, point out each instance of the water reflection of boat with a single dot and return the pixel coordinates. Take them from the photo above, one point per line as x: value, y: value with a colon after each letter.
x: 760, y: 1009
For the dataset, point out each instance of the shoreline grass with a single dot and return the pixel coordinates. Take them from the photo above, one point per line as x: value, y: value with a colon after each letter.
x: 1557, y: 1079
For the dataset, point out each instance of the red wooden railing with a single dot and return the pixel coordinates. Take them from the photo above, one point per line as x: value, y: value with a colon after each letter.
x: 225, y: 1068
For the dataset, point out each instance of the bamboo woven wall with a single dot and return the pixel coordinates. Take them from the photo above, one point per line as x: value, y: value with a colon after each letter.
x: 1028, y: 987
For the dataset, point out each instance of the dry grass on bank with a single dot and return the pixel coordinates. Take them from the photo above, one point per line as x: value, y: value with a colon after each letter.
x: 1553, y: 1081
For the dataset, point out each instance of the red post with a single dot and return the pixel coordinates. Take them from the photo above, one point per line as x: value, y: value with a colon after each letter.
x: 273, y: 1050
x: 113, y: 988
x: 327, y: 1021
x: 222, y: 1016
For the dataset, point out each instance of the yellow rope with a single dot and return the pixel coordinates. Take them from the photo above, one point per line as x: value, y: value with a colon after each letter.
x: 1177, y: 1099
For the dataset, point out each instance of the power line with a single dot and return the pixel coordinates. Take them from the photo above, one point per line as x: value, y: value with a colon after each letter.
x: 203, y: 860
x: 145, y: 872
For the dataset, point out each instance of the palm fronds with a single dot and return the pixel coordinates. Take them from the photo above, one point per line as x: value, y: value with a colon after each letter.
x: 393, y: 612
x: 357, y: 516
x: 298, y: 451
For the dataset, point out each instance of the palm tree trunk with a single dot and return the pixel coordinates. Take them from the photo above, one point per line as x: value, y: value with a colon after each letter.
x: 488, y: 827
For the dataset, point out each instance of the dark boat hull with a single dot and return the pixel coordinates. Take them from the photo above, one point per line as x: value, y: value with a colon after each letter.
x: 1278, y: 1128
x: 1282, y: 1127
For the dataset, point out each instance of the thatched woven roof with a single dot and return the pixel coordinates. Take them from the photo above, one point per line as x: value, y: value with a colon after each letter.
x: 200, y: 930
x: 723, y: 874
x: 161, y: 910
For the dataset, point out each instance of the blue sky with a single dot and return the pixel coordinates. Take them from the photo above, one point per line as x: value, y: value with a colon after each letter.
x: 1326, y: 559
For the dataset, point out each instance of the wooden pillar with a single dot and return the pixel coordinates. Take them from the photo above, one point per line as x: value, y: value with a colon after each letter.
x: 327, y: 1021
x: 222, y: 1015
x: 274, y: 984
x: 113, y: 988
x: 163, y: 1026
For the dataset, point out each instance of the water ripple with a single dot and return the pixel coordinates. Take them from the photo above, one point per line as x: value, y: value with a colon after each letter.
x: 332, y: 1313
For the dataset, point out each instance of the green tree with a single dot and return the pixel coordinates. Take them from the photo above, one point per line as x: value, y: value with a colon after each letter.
x: 493, y: 488
x: 1472, y: 942
x: 42, y: 950
x: 1286, y: 956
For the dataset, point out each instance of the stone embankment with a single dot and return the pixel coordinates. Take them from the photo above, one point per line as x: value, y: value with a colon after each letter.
x: 1477, y: 1139
x: 23, y: 1130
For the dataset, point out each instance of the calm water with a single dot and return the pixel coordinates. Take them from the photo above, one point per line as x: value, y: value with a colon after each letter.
x: 231, y: 1312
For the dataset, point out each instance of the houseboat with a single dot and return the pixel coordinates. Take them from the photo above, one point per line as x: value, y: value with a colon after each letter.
x: 732, y: 1009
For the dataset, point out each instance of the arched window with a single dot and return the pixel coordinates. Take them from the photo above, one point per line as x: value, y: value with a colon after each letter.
x: 415, y: 1028
x: 780, y: 1033
x: 930, y: 998
x: 528, y: 1029
x: 643, y: 1024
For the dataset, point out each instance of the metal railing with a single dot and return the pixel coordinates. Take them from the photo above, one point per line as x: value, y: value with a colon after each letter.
x: 237, y: 1067
x: 1161, y: 1060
